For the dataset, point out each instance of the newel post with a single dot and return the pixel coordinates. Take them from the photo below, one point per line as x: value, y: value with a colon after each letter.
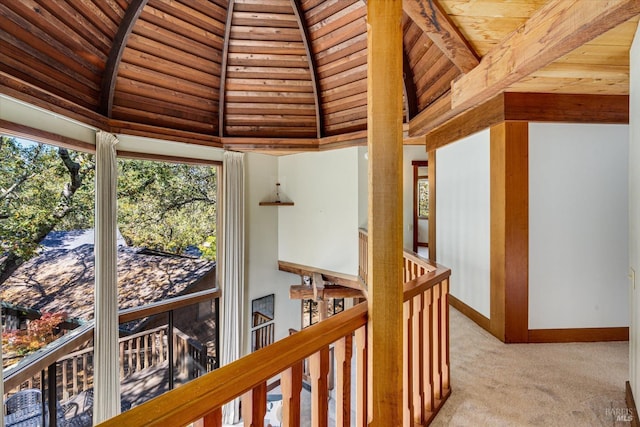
x: 385, y: 212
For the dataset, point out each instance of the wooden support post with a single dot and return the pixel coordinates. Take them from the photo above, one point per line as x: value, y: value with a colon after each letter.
x: 384, y: 135
x: 509, y: 154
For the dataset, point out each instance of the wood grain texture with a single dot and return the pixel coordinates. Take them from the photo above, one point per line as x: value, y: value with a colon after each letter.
x: 578, y: 335
x: 552, y: 31
x: 436, y: 24
x: 385, y: 212
x: 509, y: 246
x: 433, y: 177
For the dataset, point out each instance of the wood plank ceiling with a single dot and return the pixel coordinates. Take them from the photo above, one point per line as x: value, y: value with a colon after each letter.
x: 264, y: 74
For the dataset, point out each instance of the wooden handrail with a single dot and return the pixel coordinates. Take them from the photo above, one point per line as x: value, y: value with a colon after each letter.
x: 420, y: 284
x: 169, y: 304
x: 34, y: 363
x: 194, y: 400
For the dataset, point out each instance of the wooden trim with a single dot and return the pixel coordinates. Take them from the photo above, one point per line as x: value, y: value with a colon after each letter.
x: 631, y: 404
x: 409, y: 89
x: 110, y: 74
x: 165, y: 158
x: 509, y: 153
x: 552, y: 31
x: 466, y: 123
x: 470, y: 312
x: 547, y: 107
x: 429, y: 16
x: 313, y: 69
x: 578, y: 335
x: 223, y: 72
x: 431, y: 158
x: 35, y: 96
x: 416, y: 176
x: 22, y: 131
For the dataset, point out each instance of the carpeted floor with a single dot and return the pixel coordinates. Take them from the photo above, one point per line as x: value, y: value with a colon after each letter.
x: 496, y: 384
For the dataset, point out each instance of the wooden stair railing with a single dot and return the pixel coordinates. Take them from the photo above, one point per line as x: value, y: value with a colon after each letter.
x: 425, y: 371
x: 426, y: 383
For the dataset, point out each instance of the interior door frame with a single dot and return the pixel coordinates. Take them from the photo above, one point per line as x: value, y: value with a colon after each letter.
x: 417, y: 164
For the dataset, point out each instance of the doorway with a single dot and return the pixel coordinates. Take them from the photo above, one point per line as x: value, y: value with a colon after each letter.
x: 420, y: 205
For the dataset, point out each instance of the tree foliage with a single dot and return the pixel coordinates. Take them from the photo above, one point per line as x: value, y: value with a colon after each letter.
x: 163, y: 206
x: 167, y: 206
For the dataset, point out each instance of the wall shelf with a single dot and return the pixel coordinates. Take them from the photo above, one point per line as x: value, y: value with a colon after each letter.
x: 276, y: 203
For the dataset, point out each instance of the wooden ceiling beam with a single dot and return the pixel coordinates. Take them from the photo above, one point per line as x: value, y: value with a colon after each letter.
x: 313, y: 67
x: 223, y: 73
x: 328, y: 292
x: 112, y: 66
x: 434, y: 21
x: 553, y: 31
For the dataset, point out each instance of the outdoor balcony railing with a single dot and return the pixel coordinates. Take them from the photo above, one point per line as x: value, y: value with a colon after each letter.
x: 63, y: 370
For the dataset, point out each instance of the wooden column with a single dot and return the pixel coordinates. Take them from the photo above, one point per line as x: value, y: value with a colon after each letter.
x: 510, y: 231
x: 385, y: 211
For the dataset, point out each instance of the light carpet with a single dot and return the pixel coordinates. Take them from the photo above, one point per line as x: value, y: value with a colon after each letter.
x: 496, y: 384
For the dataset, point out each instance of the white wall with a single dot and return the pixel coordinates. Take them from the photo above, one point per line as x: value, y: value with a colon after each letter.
x: 634, y: 213
x: 463, y: 219
x: 262, y: 276
x: 577, y: 225
x: 410, y: 153
x: 321, y: 230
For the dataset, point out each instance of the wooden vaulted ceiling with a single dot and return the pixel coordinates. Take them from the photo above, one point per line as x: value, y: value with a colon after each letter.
x: 269, y: 74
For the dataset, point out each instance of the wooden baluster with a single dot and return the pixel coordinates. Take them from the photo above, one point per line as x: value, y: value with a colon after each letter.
x: 130, y: 351
x: 254, y: 406
x: 418, y: 360
x: 74, y: 380
x: 361, y: 377
x: 154, y: 349
x: 85, y: 371
x: 444, y: 307
x: 428, y: 343
x: 138, y: 348
x: 65, y: 390
x: 291, y: 386
x: 121, y: 360
x: 319, y: 370
x: 343, y: 349
x: 437, y: 380
x: 407, y: 365
x: 161, y: 348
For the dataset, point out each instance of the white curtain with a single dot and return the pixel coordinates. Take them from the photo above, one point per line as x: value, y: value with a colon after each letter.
x: 106, y: 376
x: 232, y: 270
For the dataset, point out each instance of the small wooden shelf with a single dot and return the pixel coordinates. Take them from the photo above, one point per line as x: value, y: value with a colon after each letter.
x: 276, y: 203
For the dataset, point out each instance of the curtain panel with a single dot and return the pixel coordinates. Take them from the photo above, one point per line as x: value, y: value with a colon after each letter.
x: 232, y: 270
x: 106, y: 380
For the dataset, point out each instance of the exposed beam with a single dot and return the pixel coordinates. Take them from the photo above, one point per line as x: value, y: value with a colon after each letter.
x: 554, y: 30
x: 346, y: 280
x: 115, y: 55
x: 434, y: 21
x: 315, y: 81
x: 329, y: 291
x: 223, y: 72
x: 409, y: 88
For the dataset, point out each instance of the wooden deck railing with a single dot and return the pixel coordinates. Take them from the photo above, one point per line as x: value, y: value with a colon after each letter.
x: 71, y: 372
x: 426, y: 367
